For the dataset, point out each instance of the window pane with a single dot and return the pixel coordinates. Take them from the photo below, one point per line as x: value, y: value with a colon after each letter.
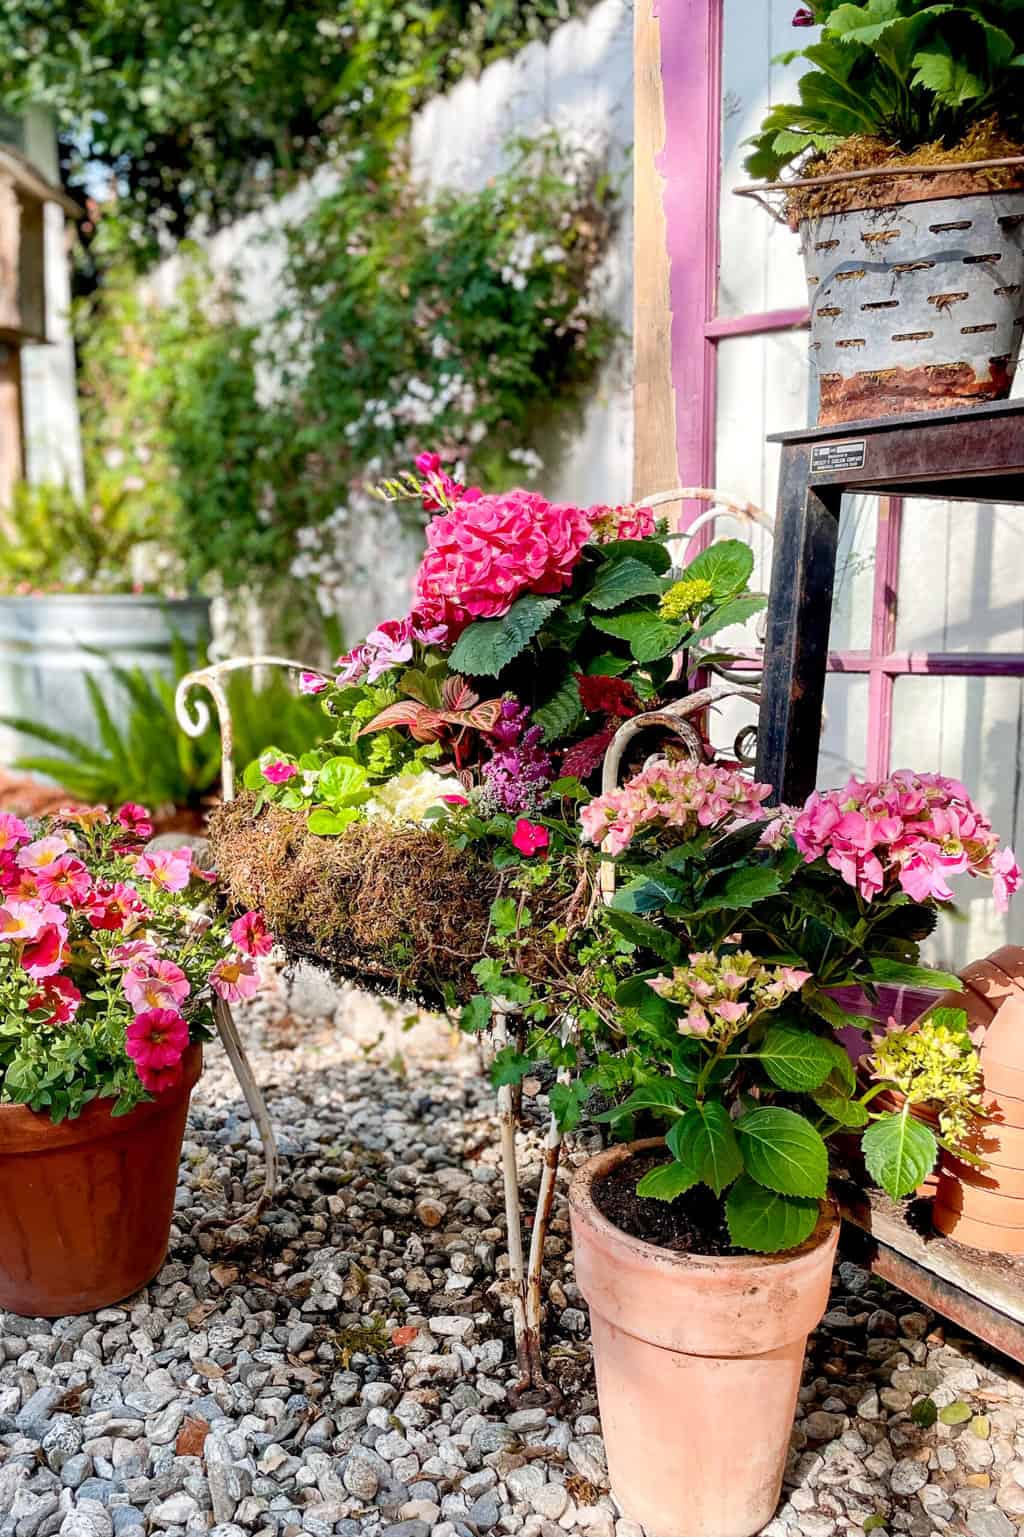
x: 844, y: 730
x: 969, y: 728
x: 960, y: 578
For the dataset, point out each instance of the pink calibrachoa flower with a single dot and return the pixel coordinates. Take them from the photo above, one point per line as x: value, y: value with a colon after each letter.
x: 60, y: 997
x: 530, y: 839
x: 312, y: 683
x: 135, y: 819
x: 44, y: 851
x: 278, y: 772
x: 115, y: 905
x: 47, y: 951
x: 686, y: 796
x: 156, y: 1038
x: 157, y: 1080
x: 251, y: 935
x: 66, y: 880
x: 135, y: 953
x: 20, y: 920
x: 85, y: 816
x: 234, y: 978
x: 169, y: 868
x: 483, y: 554
x: 13, y: 832
x: 157, y: 984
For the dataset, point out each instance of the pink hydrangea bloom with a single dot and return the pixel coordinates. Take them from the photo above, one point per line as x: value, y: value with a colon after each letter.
x: 60, y: 998
x: 1006, y: 878
x: 157, y: 984
x: 612, y: 523
x: 484, y: 554
x: 169, y: 868
x: 279, y: 772
x: 251, y: 935
x: 156, y: 1038
x: 312, y: 683
x: 234, y: 978
x: 685, y: 796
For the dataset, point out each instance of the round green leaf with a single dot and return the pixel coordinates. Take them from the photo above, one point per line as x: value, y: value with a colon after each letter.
x: 795, y: 1059
x: 783, y: 1152
x: 704, y: 1141
x: 765, y: 1221
x: 899, y: 1152
x: 666, y: 1182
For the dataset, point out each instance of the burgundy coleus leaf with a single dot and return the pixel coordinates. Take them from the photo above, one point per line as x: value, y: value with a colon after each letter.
x: 584, y: 757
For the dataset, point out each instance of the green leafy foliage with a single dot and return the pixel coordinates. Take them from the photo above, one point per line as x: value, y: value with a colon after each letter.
x: 487, y: 646
x: 795, y: 1059
x: 704, y: 1142
x: 905, y: 72
x: 766, y: 1221
x: 666, y: 1182
x: 899, y: 1152
x: 783, y: 1152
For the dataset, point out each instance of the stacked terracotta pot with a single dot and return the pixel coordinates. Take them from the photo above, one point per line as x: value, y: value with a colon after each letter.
x: 984, y: 1207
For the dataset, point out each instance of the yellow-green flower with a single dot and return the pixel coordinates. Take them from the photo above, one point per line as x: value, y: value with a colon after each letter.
x: 684, y: 598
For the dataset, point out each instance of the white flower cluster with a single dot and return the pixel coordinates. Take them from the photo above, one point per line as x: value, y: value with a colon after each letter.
x: 408, y: 797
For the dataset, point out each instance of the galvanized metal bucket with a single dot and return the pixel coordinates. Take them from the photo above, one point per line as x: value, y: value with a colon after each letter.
x: 917, y: 306
x: 48, y: 645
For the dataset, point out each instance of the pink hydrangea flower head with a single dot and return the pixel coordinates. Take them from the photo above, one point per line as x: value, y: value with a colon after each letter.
x: 135, y: 819
x: 234, y: 978
x: 157, y: 984
x: 278, y: 772
x: 483, y: 554
x: 250, y: 934
x: 685, y: 797
x: 529, y: 838
x: 60, y: 998
x: 610, y: 524
x: 156, y: 1038
x: 67, y: 880
x: 312, y: 683
x: 170, y: 869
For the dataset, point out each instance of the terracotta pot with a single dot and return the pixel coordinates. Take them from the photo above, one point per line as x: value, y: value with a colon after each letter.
x: 86, y: 1207
x: 985, y: 1207
x: 698, y: 1363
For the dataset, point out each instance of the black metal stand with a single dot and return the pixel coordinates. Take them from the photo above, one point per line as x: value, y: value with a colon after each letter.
x: 976, y: 454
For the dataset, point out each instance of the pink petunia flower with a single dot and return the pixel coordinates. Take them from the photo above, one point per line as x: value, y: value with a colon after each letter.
x: 157, y: 1080
x: 312, y: 683
x: 234, y: 978
x: 67, y: 880
x: 13, y: 832
x: 114, y: 905
x: 60, y: 998
x: 136, y: 953
x: 530, y: 839
x: 20, y: 919
x: 278, y: 772
x: 250, y: 934
x: 135, y: 819
x: 169, y: 868
x: 158, y: 984
x: 45, y: 954
x: 156, y: 1038
x: 44, y: 851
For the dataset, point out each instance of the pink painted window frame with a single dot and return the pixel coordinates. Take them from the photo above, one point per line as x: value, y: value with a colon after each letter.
x: 691, y: 42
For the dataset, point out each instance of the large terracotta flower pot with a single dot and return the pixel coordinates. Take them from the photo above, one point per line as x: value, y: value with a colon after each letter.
x: 86, y: 1206
x: 698, y: 1363
x: 985, y: 1207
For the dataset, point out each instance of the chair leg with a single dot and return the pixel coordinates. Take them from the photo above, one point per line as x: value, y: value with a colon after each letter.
x: 228, y: 1032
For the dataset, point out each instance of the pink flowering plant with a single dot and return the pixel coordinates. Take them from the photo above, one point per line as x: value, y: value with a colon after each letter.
x: 535, y: 629
x: 112, y: 955
x: 743, y: 922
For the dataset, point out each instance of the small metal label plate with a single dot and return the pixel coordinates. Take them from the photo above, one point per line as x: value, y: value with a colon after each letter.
x: 838, y: 456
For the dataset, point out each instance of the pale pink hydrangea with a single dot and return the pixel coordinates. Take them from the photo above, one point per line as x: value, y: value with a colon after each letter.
x: 483, y: 554
x: 687, y: 797
x: 914, y: 831
x: 721, y: 993
x: 609, y: 524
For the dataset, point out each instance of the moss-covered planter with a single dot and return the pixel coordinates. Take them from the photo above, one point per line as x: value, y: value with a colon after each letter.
x: 384, y: 904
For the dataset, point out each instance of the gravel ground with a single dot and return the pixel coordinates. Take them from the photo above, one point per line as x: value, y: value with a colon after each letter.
x: 345, y: 1368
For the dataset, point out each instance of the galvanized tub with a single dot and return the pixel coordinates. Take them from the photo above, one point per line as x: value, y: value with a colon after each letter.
x: 47, y: 647
x: 917, y: 306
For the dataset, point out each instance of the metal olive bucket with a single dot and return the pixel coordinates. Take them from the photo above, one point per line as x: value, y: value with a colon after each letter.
x: 918, y: 306
x: 48, y: 645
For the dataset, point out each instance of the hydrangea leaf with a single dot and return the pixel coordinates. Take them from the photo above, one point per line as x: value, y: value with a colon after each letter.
x: 727, y: 565
x: 705, y: 1141
x: 665, y: 1096
x: 783, y: 1152
x: 484, y: 648
x: 899, y: 1152
x: 666, y: 1182
x: 733, y: 611
x: 649, y: 637
x: 765, y: 1221
x: 619, y: 581
x: 561, y: 712
x: 795, y: 1059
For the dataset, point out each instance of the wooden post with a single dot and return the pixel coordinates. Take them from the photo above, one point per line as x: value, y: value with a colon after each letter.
x: 12, y: 448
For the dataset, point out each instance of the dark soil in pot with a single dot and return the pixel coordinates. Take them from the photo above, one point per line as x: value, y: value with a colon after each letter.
x: 694, y: 1223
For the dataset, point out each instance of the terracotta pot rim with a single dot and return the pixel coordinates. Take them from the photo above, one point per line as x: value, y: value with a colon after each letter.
x: 24, y: 1131
x: 581, y: 1199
